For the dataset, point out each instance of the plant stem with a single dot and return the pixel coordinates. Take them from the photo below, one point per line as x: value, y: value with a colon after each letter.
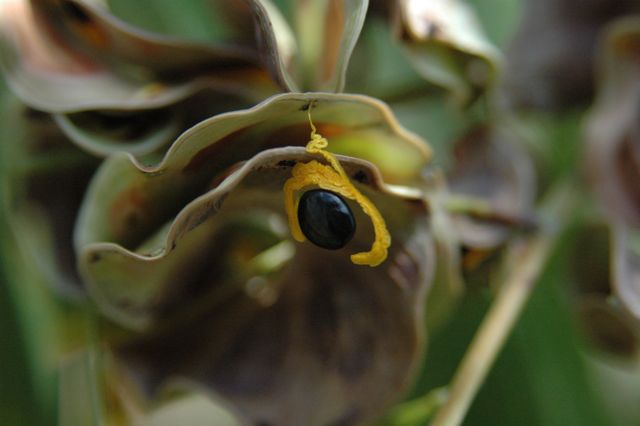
x: 417, y: 410
x: 525, y: 260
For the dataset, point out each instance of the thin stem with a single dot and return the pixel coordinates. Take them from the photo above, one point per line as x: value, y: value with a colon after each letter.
x: 525, y: 260
x: 417, y: 411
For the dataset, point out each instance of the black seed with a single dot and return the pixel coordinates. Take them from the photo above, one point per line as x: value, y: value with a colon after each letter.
x: 325, y: 219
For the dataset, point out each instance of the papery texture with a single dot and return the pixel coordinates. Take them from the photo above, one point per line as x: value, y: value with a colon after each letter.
x: 294, y: 333
x: 447, y: 46
x: 491, y: 166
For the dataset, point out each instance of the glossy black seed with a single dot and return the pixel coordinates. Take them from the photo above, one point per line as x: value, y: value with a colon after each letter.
x: 325, y: 219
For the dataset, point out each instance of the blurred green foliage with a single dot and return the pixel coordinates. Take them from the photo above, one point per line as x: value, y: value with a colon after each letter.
x: 17, y: 405
x: 17, y: 397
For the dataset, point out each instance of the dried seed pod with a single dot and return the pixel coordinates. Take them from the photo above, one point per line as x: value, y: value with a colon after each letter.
x: 447, y: 46
x: 613, y: 137
x: 491, y: 167
x: 550, y: 61
x: 199, y: 239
